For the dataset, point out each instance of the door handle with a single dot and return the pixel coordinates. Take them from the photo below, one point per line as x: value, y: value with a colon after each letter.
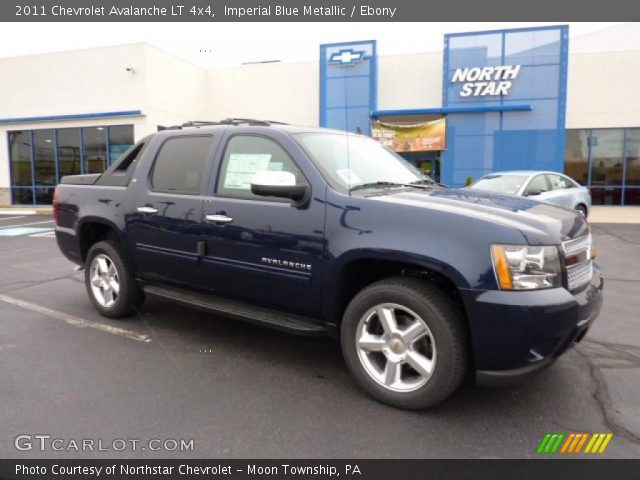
x: 219, y: 218
x: 147, y: 210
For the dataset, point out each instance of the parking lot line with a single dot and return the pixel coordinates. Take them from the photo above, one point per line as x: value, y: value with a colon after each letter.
x: 10, y: 218
x: 16, y: 232
x: 25, y: 224
x: 75, y: 321
x: 21, y: 212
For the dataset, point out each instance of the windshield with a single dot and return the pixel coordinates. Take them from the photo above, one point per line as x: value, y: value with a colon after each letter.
x: 355, y: 162
x: 501, y: 183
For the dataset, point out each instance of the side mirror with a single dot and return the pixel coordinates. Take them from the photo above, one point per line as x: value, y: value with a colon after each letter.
x: 278, y: 184
x: 533, y: 192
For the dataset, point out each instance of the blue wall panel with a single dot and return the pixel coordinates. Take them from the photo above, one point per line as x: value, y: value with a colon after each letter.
x: 348, y: 77
x: 479, y: 143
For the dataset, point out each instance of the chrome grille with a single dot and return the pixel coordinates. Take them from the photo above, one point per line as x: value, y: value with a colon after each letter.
x: 580, y: 273
x: 577, y: 245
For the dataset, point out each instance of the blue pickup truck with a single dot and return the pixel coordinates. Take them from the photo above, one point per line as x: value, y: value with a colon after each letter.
x: 321, y: 232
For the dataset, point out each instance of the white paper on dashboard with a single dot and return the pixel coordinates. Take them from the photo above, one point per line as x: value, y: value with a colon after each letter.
x: 243, y: 167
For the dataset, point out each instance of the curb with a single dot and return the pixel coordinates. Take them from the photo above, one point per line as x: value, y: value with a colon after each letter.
x: 26, y: 211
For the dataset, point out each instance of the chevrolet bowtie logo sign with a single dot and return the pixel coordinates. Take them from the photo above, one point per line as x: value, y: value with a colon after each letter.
x: 574, y: 443
x: 346, y: 57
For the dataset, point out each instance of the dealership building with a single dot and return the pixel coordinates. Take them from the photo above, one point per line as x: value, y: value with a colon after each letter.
x: 501, y: 100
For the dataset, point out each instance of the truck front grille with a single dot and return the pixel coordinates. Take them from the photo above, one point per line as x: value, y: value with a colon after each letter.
x: 578, y: 260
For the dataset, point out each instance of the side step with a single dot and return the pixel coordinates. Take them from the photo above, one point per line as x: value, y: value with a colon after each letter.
x: 292, y: 323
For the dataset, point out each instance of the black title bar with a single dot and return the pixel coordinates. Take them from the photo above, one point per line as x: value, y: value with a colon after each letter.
x: 317, y: 469
x: 314, y: 10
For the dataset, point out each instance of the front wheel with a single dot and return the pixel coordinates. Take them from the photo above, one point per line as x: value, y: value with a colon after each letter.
x: 405, y: 343
x: 109, y: 281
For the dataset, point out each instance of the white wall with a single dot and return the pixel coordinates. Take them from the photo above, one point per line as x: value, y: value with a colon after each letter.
x: 410, y: 81
x: 287, y: 92
x: 175, y: 91
x: 604, y: 90
x: 82, y: 81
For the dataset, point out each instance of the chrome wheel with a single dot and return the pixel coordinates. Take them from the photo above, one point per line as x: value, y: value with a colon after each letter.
x: 395, y: 347
x: 105, y: 284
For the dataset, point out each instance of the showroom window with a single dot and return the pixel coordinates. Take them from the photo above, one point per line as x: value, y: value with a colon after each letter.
x: 606, y: 160
x: 40, y: 158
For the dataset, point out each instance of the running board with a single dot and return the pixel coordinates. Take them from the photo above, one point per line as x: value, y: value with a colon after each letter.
x: 259, y: 315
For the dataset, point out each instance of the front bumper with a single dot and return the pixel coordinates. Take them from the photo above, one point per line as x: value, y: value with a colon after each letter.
x: 515, y: 334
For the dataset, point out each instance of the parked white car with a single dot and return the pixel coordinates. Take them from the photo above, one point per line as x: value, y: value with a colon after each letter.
x: 550, y: 187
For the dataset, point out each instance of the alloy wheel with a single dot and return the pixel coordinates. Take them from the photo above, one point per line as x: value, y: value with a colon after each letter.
x: 105, y: 283
x: 396, y: 347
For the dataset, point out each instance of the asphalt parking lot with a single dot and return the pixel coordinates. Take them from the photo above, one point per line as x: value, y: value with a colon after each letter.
x: 242, y: 391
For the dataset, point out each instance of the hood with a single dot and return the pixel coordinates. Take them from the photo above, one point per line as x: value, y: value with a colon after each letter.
x: 540, y: 223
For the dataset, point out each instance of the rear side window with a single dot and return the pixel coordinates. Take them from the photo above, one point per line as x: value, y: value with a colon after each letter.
x: 560, y: 183
x: 180, y: 164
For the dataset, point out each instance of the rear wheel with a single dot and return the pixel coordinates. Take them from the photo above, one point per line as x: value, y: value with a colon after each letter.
x: 109, y: 281
x: 405, y: 343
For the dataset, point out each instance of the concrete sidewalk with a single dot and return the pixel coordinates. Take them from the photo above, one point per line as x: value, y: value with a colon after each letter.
x: 26, y: 210
x: 607, y: 214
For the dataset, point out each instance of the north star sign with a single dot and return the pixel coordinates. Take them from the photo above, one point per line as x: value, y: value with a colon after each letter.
x: 485, y: 81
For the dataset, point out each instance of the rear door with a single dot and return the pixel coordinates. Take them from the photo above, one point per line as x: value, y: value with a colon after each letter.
x: 563, y: 191
x: 260, y: 249
x: 165, y: 227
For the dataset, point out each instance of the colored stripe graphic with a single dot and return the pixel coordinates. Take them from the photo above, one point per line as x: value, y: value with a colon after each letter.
x: 570, y: 439
x: 543, y: 443
x: 550, y: 443
x: 598, y: 443
x: 573, y: 443
x: 581, y: 442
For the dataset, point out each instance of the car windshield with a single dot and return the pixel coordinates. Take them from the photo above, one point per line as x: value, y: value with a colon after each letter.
x: 501, y: 183
x: 354, y: 162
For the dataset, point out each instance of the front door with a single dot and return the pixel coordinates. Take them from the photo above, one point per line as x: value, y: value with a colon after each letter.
x: 165, y: 228
x: 262, y: 249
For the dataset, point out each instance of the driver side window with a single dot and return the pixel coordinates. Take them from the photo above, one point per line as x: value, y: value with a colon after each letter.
x: 539, y: 184
x: 244, y: 157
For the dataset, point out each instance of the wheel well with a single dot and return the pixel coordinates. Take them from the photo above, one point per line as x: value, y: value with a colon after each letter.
x: 583, y: 206
x: 94, y: 232
x: 358, y: 274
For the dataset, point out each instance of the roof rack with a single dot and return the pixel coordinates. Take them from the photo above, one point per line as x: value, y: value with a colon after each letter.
x: 226, y: 121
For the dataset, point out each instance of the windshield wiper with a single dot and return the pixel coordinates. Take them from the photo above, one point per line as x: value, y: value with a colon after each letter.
x: 417, y: 184
x: 363, y: 186
x: 427, y: 183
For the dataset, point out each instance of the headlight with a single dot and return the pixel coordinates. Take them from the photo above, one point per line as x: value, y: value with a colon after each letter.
x: 524, y: 267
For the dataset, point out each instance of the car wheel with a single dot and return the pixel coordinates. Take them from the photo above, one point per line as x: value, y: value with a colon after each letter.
x: 582, y: 210
x: 110, y: 282
x: 405, y: 343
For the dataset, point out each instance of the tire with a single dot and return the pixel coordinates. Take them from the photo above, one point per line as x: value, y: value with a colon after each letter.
x: 127, y: 298
x: 582, y: 210
x: 443, y: 346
